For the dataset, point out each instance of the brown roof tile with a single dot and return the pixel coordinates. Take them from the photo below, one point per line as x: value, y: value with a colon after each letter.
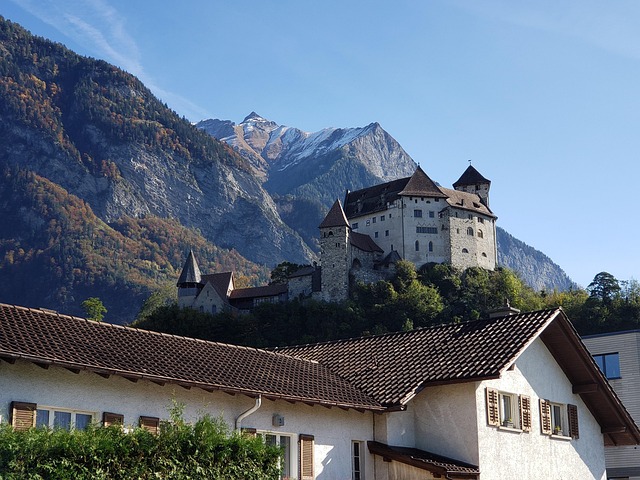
x: 364, y: 242
x: 222, y: 282
x: 420, y: 185
x: 50, y: 338
x: 254, y: 292
x: 471, y: 176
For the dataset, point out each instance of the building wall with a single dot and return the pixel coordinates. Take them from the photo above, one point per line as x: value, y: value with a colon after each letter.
x: 623, y: 459
x: 479, y: 251
x: 333, y: 429
x: 334, y: 251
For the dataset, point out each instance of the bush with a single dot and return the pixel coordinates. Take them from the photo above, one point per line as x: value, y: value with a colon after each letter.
x: 202, y: 450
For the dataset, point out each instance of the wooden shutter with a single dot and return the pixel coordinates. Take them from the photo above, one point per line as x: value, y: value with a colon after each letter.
x: 151, y: 424
x: 545, y: 417
x: 525, y: 412
x: 572, y: 411
x: 251, y: 432
x: 109, y: 419
x: 306, y: 457
x: 493, y: 412
x: 23, y: 415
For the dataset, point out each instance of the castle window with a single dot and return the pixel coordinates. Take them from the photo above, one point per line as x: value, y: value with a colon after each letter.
x: 382, y: 218
x: 432, y: 230
x: 375, y: 234
x: 470, y: 217
x: 354, y: 226
x: 464, y: 250
x: 386, y: 233
x: 330, y: 234
x: 437, y: 199
x: 480, y: 234
x: 470, y: 231
x: 480, y: 220
x: 417, y: 213
x: 432, y: 214
x: 431, y: 246
x: 417, y: 246
x: 373, y: 220
x: 484, y: 255
x: 457, y: 230
x: 368, y: 222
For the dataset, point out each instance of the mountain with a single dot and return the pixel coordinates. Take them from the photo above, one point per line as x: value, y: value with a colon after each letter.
x: 96, y: 133
x: 306, y: 172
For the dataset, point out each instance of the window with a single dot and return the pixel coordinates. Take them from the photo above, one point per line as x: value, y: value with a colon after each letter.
x: 417, y: 246
x: 432, y: 230
x: 54, y: 417
x: 480, y: 220
x: 284, y: 442
x: 559, y: 419
x: 417, y: 213
x: 373, y: 220
x: 464, y: 250
x: 357, y: 467
x: 470, y: 231
x: 354, y: 225
x: 150, y: 424
x: 382, y: 218
x: 375, y: 234
x: 508, y: 410
x: 306, y: 457
x: 386, y: 233
x: 431, y: 246
x: 432, y: 214
x: 609, y: 364
x: 368, y: 222
x: 480, y: 234
x: 470, y: 217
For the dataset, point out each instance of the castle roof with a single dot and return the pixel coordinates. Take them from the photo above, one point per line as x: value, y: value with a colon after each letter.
x: 255, y: 292
x: 190, y: 271
x: 471, y: 176
x: 375, y: 199
x: 420, y: 185
x: 222, y: 282
x: 364, y: 242
x: 335, y: 217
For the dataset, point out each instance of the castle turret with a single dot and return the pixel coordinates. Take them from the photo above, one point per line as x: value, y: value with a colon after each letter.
x: 190, y: 282
x: 472, y: 181
x: 334, y: 244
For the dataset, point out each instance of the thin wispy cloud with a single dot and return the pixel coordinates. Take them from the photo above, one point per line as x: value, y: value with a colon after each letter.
x: 103, y: 33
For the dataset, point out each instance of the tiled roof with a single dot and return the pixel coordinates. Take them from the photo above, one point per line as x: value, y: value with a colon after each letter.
x: 190, y: 272
x: 431, y: 462
x: 467, y: 201
x: 254, y: 292
x: 373, y: 199
x: 335, y: 217
x: 471, y: 176
x: 49, y: 338
x: 364, y: 242
x: 420, y: 185
x: 395, y: 366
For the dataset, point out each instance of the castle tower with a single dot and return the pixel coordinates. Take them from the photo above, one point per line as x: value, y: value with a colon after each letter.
x: 190, y: 282
x: 472, y: 182
x: 335, y: 235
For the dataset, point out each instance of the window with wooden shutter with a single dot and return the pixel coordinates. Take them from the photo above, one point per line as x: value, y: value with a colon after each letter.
x: 572, y: 411
x: 23, y: 415
x: 525, y: 413
x: 493, y: 412
x: 545, y: 417
x: 109, y: 419
x: 306, y: 457
x: 151, y: 424
x: 251, y: 432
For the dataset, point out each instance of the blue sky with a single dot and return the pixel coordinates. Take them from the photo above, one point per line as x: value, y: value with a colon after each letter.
x: 541, y: 95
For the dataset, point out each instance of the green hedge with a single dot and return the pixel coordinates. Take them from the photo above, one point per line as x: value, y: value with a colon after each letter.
x: 202, y: 450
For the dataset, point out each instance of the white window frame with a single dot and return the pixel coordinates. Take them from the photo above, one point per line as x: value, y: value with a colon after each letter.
x: 357, y: 460
x: 292, y: 463
x: 52, y: 414
x: 509, y: 410
x: 559, y: 418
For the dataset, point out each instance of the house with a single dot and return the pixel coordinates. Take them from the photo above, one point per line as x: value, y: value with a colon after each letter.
x: 511, y: 396
x: 618, y: 356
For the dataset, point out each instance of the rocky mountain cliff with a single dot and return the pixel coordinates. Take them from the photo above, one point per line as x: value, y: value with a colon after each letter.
x: 306, y: 172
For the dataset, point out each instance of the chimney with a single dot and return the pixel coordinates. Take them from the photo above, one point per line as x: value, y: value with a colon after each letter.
x: 504, y: 311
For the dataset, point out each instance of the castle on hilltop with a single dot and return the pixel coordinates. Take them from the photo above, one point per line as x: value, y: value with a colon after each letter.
x: 412, y: 218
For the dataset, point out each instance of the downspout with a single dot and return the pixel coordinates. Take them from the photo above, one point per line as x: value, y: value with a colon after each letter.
x: 244, y: 415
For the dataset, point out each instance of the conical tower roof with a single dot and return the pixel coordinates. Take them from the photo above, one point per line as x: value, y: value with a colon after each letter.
x: 190, y: 271
x: 335, y: 217
x: 471, y: 176
x: 420, y: 185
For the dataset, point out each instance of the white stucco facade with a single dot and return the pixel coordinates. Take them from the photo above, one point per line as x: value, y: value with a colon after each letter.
x: 333, y: 429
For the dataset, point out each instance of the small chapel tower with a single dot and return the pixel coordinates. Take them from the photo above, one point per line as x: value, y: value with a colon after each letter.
x: 190, y: 282
x: 335, y: 234
x: 472, y: 182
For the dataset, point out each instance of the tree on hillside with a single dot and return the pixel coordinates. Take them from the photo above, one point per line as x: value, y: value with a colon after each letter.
x: 280, y: 274
x: 94, y: 309
x: 604, y: 287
